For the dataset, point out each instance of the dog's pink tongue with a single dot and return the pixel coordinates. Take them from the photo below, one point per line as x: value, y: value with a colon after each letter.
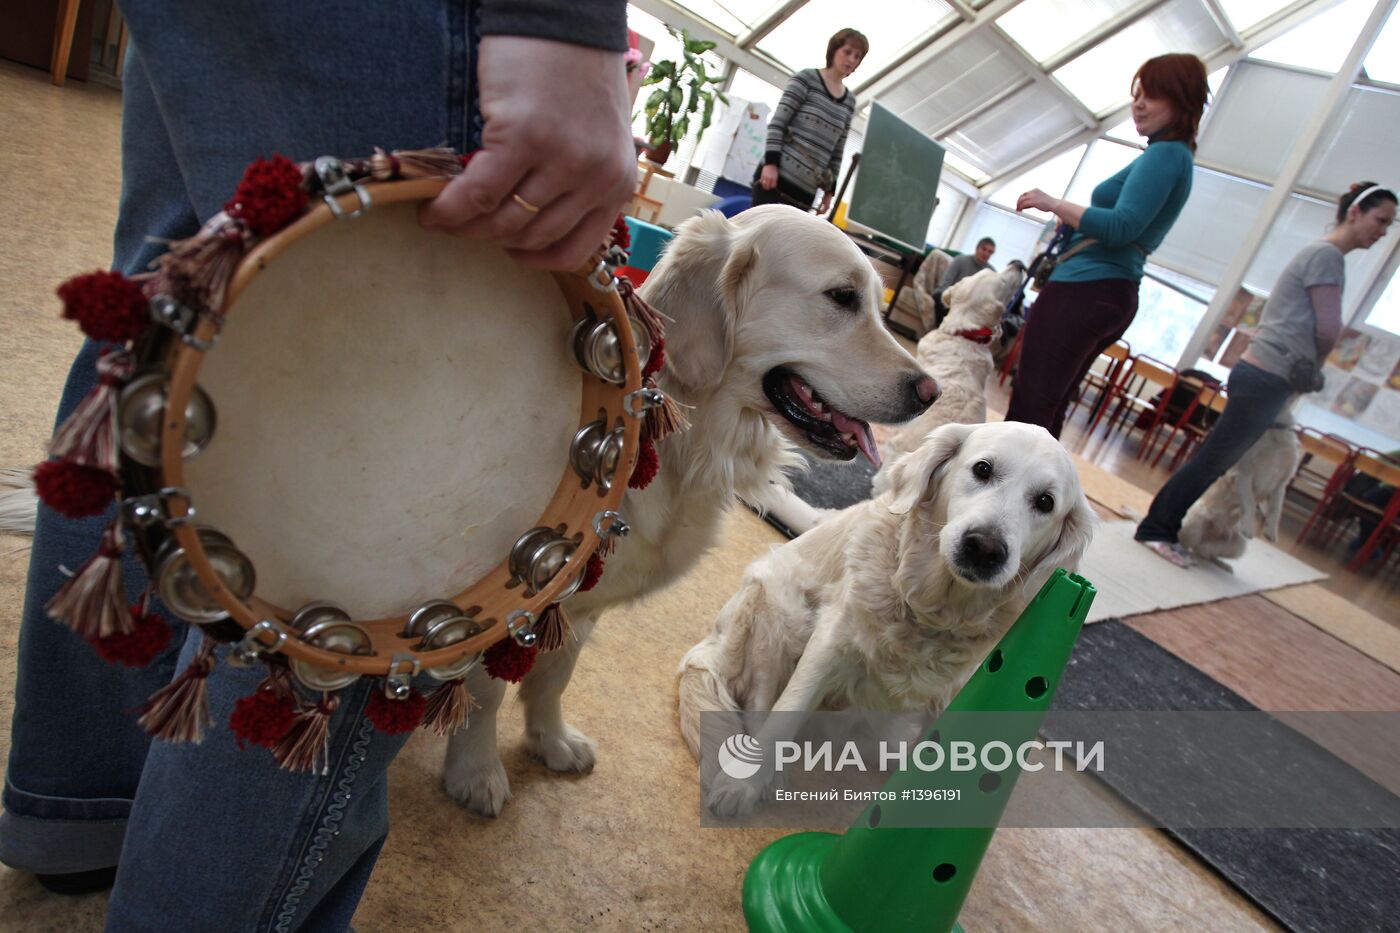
x: 864, y: 438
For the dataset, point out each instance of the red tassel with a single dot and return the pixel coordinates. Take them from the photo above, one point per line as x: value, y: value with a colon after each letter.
x: 621, y: 233
x: 149, y: 636
x: 107, y: 306
x: 506, y: 660
x: 269, y: 197
x: 93, y: 602
x: 89, y: 436
x: 395, y: 717
x: 74, y: 491
x: 179, y: 712
x: 592, y: 572
x: 663, y: 420
x: 554, y: 624
x: 657, y: 361
x: 646, y: 315
x: 448, y: 708
x: 307, y: 742
x: 196, y: 271
x: 648, y: 464
x: 265, y: 717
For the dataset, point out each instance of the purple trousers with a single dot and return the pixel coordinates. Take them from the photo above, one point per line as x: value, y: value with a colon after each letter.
x: 1067, y: 328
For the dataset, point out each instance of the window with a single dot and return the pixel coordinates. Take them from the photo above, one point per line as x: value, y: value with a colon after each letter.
x: 1383, y: 62
x: 1044, y: 27
x: 1385, y: 314
x: 891, y: 26
x: 945, y: 213
x: 1165, y: 320
x: 1321, y: 43
x: 1051, y: 176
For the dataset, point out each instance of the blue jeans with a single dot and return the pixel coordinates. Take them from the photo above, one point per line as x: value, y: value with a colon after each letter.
x: 210, y: 837
x: 1255, y: 400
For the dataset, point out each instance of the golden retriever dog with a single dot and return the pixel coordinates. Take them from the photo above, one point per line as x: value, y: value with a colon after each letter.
x: 959, y: 354
x: 1246, y: 500
x: 892, y: 603
x: 775, y: 343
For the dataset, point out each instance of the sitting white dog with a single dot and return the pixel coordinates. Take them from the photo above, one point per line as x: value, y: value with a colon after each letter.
x: 892, y: 603
x: 960, y: 354
x: 1246, y: 499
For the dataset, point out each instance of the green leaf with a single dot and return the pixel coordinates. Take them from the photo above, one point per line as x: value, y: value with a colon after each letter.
x: 654, y: 101
x: 676, y: 97
x: 682, y: 127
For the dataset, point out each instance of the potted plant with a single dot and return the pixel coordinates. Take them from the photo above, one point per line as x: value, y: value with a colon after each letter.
x: 683, y: 90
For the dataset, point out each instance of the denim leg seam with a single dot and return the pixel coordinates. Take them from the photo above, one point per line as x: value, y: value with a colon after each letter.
x: 329, y: 828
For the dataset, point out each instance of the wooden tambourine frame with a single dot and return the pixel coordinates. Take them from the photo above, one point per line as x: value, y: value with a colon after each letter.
x: 573, y: 506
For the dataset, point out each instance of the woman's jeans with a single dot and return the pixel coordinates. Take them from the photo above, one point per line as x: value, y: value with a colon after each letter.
x: 1255, y: 400
x: 210, y: 837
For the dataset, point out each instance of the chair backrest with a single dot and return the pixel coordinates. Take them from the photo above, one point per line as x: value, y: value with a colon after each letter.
x: 1154, y: 371
x: 1325, y: 447
x: 1118, y: 351
x: 1378, y: 466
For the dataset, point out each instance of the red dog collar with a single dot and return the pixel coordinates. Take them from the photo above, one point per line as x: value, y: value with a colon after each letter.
x: 981, y: 335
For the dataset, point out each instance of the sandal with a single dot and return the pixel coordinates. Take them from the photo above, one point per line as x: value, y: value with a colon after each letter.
x: 1171, y: 552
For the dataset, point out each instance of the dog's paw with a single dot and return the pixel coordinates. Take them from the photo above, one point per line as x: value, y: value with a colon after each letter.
x: 482, y: 788
x: 569, y: 750
x: 732, y: 799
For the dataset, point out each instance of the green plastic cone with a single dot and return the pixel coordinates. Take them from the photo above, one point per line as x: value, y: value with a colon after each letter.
x: 880, y: 876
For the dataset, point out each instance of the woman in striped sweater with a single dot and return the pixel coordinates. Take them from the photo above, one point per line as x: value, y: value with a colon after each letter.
x: 807, y: 134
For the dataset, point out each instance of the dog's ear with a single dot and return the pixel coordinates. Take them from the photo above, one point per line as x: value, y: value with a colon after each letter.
x: 1076, y: 533
x: 697, y: 285
x: 911, y: 476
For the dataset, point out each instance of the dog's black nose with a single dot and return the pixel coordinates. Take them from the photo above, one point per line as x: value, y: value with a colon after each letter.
x: 924, y: 390
x: 984, y: 553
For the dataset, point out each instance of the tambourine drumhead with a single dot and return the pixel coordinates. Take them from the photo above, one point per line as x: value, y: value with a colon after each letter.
x: 395, y: 409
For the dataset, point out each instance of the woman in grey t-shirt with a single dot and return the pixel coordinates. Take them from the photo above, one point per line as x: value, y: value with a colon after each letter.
x: 1301, y: 322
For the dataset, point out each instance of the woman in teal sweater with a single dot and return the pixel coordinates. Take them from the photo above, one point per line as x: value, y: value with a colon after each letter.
x: 1092, y: 296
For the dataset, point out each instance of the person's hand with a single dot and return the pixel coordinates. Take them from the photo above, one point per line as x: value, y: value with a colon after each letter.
x: 1037, y: 200
x: 556, y: 162
x: 768, y: 178
x: 825, y: 204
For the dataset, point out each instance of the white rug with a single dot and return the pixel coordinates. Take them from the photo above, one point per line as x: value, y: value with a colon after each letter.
x: 1132, y: 580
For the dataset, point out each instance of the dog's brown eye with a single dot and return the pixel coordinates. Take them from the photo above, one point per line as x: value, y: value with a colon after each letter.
x: 982, y: 469
x: 1045, y: 502
x: 845, y: 297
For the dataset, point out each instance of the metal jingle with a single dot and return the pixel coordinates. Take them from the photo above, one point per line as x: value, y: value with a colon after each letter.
x: 429, y: 614
x: 180, y: 587
x: 141, y: 411
x: 339, y: 637
x: 585, y: 448
x: 598, y: 350
x: 523, y: 552
x: 570, y: 588
x: 546, y: 563
x: 450, y: 632
x: 643, y: 340
x: 318, y: 613
x: 595, y: 454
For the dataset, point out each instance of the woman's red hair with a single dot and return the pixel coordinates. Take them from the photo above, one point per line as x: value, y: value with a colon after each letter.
x: 1180, y: 79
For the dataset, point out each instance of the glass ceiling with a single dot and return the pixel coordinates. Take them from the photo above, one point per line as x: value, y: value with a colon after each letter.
x: 998, y: 89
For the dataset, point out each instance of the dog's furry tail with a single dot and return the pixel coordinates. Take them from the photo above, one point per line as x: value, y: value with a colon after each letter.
x: 702, y: 689
x: 19, y: 503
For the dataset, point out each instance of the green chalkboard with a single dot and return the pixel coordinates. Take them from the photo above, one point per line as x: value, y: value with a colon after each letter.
x: 897, y: 180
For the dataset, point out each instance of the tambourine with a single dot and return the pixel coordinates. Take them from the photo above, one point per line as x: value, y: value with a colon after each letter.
x: 352, y: 446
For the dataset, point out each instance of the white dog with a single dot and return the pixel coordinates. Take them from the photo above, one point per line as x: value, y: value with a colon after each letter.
x: 1246, y: 499
x: 892, y: 603
x: 959, y: 354
x: 775, y: 340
